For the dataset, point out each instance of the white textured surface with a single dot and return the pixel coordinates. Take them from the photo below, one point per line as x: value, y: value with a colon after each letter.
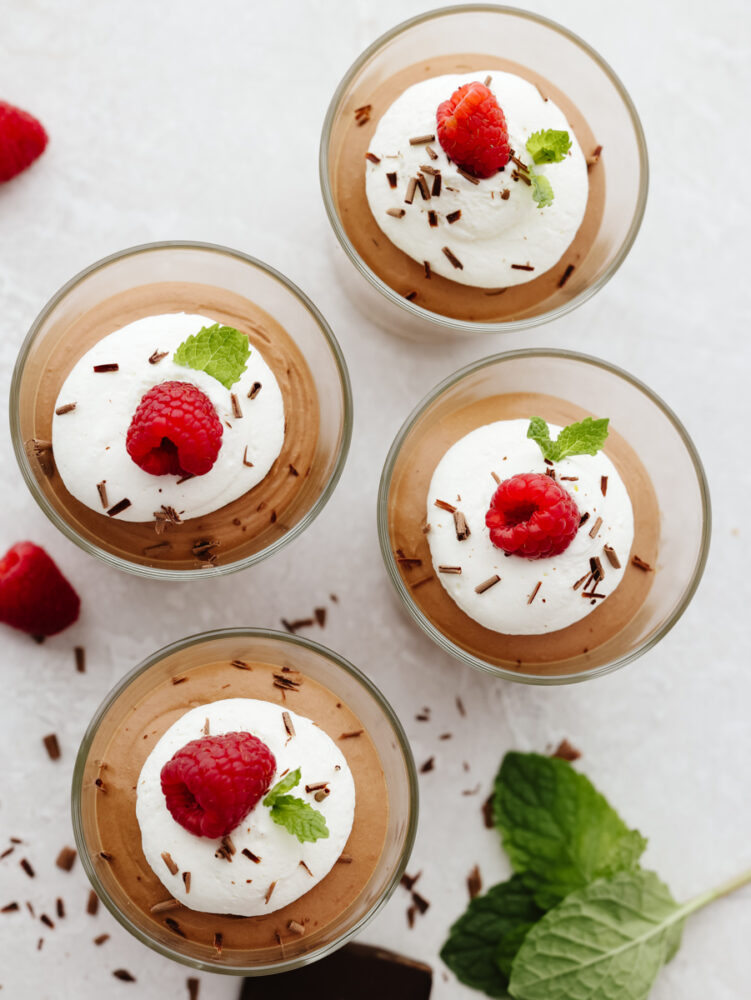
x: 215, y: 885
x: 463, y: 478
x: 492, y: 233
x: 158, y: 131
x: 92, y: 437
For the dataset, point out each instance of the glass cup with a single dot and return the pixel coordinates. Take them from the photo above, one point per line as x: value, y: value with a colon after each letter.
x: 315, y: 662
x: 641, y: 422
x: 50, y: 351
x: 573, y: 68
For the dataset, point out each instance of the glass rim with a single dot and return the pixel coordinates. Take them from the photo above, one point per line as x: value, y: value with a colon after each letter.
x: 203, y: 572
x: 254, y: 633
x: 450, y: 323
x: 403, y: 592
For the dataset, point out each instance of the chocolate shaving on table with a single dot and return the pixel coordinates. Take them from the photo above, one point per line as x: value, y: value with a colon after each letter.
x: 409, y: 881
x: 193, y: 986
x: 124, y: 975
x: 460, y: 706
x: 60, y: 908
x: 167, y: 859
x: 420, y: 902
x: 100, y: 939
x: 92, y: 903
x: 303, y: 865
x: 119, y: 507
x: 423, y: 186
x: 446, y: 736
x: 409, y: 196
x: 487, y: 584
x: 157, y: 356
x: 456, y: 570
x: 522, y: 267
x: 613, y: 559
x: 6, y: 852
x: 423, y: 717
x: 594, y: 157
x: 474, y: 882
x: 454, y: 216
x: 391, y: 178
x: 419, y: 140
x: 432, y: 219
x: 254, y: 390
x: 396, y: 213
x: 534, y: 592
x: 112, y: 367
x: 30, y: 908
x: 462, y: 528
x: 66, y: 408
x: 9, y: 908
x: 411, y: 914
x: 47, y: 921
x: 566, y: 751
x: 372, y: 157
x: 411, y: 296
x: 444, y: 505
x: 595, y: 527
x: 320, y: 616
x: 452, y: 258
x: 467, y: 176
x: 427, y: 766
x: 52, y: 746
x: 66, y: 858
x: 251, y: 856
x: 566, y: 275
x: 26, y: 865
x: 641, y: 564
x: 487, y: 812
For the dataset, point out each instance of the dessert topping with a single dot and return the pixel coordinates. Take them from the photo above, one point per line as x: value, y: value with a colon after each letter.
x: 583, y: 438
x: 548, y: 145
x: 211, y: 784
x: 294, y: 814
x: 22, y: 140
x: 220, y: 351
x: 35, y: 597
x: 175, y: 431
x: 533, y: 516
x: 472, y: 130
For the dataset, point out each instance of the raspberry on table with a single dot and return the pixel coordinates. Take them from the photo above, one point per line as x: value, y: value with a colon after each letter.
x: 471, y: 128
x: 175, y: 431
x: 211, y: 784
x: 35, y: 597
x: 22, y: 140
x: 532, y: 515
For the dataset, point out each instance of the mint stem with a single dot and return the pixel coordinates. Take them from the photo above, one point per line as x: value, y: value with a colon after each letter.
x: 724, y: 889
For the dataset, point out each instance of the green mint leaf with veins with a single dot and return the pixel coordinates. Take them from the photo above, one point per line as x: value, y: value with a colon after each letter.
x: 558, y: 831
x: 220, y: 351
x: 483, y: 941
x: 583, y: 438
x: 296, y: 816
x: 548, y: 145
x: 542, y: 189
x: 609, y: 939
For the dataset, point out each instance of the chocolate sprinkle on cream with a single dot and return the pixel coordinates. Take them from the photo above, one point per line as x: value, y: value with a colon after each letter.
x: 409, y: 197
x: 613, y: 559
x: 432, y: 218
x: 431, y: 152
x: 467, y: 176
x: 423, y: 186
x: 418, y: 140
x: 99, y: 369
x: 167, y: 859
x: 157, y: 356
x: 456, y: 570
x: 454, y: 216
x: 583, y: 518
x: 206, y: 728
x: 372, y: 157
x: 391, y: 178
x: 462, y: 528
x: 580, y: 581
x: 396, y: 213
x: 452, y: 258
x: 67, y: 408
x: 102, y: 490
x: 303, y: 865
x: 505, y: 195
x: 269, y: 891
x: 566, y: 275
x: 445, y: 506
x: 428, y: 272
x: 436, y: 189
x: 288, y: 724
x: 186, y: 880
x: 522, y: 267
x: 487, y: 584
x: 251, y: 856
x: 52, y: 746
x: 533, y: 595
x: 236, y: 410
x: 119, y: 507
x: 254, y: 390
x: 641, y: 564
x: 595, y: 527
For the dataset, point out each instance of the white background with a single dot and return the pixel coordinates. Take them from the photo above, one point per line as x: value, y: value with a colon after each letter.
x: 201, y: 121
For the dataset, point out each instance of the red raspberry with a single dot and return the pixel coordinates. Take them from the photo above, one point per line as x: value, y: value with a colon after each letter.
x: 472, y: 130
x: 175, y: 431
x: 531, y: 515
x: 211, y: 784
x: 34, y: 595
x: 22, y: 140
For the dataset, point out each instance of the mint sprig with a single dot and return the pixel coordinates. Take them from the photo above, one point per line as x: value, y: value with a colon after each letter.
x: 220, y: 351
x: 296, y: 816
x: 542, y: 189
x: 549, y: 145
x: 583, y: 438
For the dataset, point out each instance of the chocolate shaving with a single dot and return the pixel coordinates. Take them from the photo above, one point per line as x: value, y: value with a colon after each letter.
x: 66, y: 858
x: 580, y: 581
x: 456, y: 570
x: 522, y: 267
x: 251, y: 856
x: 9, y: 908
x: 583, y: 518
x: 460, y: 706
x: 428, y: 272
x: 613, y: 559
x: 67, y: 408
x: 487, y: 812
x: 436, y: 188
x: 174, y: 926
x: 397, y: 213
x: 351, y: 735
x: 488, y: 78
x: 157, y: 356
x: 474, y: 882
x: 102, y: 489
x: 167, y: 859
x: 269, y: 891
x: 420, y: 902
x: 119, y: 507
x: 344, y: 859
x: 52, y: 746
x: 505, y: 195
x: 451, y: 256
x: 595, y: 527
x: 303, y: 865
x: 467, y: 176
x: 124, y: 975
x: 462, y: 528
x: 427, y: 169
x: 418, y: 140
x: 432, y: 219
x: 445, y: 506
x: 322, y: 794
x: 566, y: 275
x: 391, y: 178
x: 100, y: 939
x: 454, y: 216
x: 295, y: 927
x: 594, y: 157
x: 288, y: 724
x: 565, y: 751
x: 286, y: 683
x: 236, y: 409
x: 409, y: 881
x: 92, y: 903
x: 254, y: 390
x: 418, y: 583
x: 47, y: 921
x: 193, y: 985
x: 317, y: 787
x: 320, y: 615
x: 372, y: 157
x: 218, y: 939
x: 423, y: 186
x: 99, y: 369
x: 604, y: 484
x: 411, y: 296
x: 203, y: 549
x: 570, y: 479
x: 411, y: 914
x: 641, y: 564
x: 550, y: 473
x: 431, y: 152
x: 409, y: 197
x: 165, y: 905
x: 6, y: 852
x: 534, y: 592
x: 26, y: 865
x: 60, y: 908
x: 487, y: 584
x: 427, y: 766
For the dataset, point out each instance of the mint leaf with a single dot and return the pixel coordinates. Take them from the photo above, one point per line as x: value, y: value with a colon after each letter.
x: 286, y: 784
x: 299, y: 818
x: 548, y: 145
x: 557, y: 829
x: 609, y: 939
x: 476, y: 950
x: 220, y: 351
x: 583, y: 438
x: 542, y: 190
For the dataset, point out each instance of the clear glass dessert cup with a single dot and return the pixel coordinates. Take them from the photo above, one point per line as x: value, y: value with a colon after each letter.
x: 575, y: 69
x: 227, y: 270
x: 652, y: 431
x: 313, y: 661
